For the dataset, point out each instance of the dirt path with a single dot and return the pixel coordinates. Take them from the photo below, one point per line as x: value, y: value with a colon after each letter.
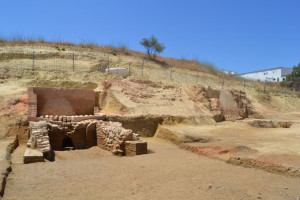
x: 167, y: 173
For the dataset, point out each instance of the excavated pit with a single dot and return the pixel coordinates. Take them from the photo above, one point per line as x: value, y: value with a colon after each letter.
x: 66, y: 119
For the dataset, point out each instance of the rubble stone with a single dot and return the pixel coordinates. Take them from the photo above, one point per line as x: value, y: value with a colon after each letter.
x: 112, y: 136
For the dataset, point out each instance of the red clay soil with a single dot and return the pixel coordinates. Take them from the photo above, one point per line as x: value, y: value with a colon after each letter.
x: 15, y: 106
x: 210, y: 150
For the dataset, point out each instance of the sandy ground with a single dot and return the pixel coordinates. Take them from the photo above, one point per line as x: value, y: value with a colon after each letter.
x: 10, y: 89
x: 168, y: 172
x: 138, y: 96
x: 238, y: 139
x: 3, y: 145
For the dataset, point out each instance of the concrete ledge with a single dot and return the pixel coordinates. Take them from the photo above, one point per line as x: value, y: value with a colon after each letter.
x: 133, y: 148
x: 33, y: 155
x: 119, y: 71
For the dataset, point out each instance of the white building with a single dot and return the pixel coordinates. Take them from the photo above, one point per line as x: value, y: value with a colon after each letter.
x: 272, y: 75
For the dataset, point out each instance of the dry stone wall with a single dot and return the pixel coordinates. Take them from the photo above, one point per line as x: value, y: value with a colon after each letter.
x: 112, y: 136
x: 39, y: 138
x: 38, y: 143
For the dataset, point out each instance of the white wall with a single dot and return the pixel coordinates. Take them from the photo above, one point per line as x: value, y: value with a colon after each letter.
x: 269, y: 75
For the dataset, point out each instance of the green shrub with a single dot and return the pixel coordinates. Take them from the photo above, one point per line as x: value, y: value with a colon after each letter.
x: 114, y: 52
x: 63, y: 49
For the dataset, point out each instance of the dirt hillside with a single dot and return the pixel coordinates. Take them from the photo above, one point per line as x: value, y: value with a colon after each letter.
x: 199, y: 147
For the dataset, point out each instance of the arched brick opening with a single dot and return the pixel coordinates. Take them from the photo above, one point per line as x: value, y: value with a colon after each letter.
x: 67, y: 143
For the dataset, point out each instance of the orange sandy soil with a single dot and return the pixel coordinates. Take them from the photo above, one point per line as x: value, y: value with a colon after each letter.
x: 167, y: 172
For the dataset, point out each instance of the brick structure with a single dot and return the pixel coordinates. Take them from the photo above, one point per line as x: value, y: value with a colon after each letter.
x: 59, y: 101
x: 32, y: 104
x: 133, y: 148
x: 81, y: 135
x: 113, y: 137
x: 38, y: 145
x: 63, y: 119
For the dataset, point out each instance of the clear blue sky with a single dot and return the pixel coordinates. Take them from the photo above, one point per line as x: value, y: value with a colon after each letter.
x: 238, y: 35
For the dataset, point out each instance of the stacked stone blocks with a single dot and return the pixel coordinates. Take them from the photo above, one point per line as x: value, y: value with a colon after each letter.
x: 37, y: 142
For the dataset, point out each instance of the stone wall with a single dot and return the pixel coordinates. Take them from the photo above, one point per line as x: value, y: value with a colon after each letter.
x: 112, y: 136
x: 60, y: 101
x: 38, y: 145
x: 39, y: 138
x: 57, y: 135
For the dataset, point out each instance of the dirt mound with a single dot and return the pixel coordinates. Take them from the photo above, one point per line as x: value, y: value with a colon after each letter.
x: 144, y: 97
x: 205, y: 100
x: 15, y: 106
x: 13, y: 118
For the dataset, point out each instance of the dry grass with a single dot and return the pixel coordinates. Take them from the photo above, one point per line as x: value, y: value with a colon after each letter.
x: 185, y: 71
x: 122, y: 49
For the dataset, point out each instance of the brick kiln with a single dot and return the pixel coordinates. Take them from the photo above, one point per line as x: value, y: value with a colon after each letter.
x: 61, y: 119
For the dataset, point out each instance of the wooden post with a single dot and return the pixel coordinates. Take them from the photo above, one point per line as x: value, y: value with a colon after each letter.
x: 73, y: 62
x: 223, y: 81
x: 143, y: 68
x: 129, y: 73
x: 33, y: 61
x: 108, y: 64
x: 285, y: 91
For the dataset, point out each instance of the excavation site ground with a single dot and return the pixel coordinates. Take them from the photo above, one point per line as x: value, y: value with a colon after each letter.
x: 95, y: 135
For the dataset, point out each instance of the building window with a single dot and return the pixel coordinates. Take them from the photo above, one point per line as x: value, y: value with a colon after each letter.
x: 277, y: 79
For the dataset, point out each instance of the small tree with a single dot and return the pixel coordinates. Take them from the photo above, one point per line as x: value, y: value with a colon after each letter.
x: 152, y: 46
x: 294, y: 78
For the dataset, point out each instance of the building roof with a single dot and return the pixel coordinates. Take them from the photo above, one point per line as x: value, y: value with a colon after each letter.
x: 285, y: 71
